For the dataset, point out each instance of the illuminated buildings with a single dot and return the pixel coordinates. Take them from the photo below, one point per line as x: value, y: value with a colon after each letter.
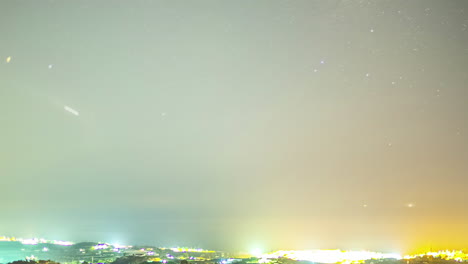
x: 328, y: 256
x: 12, y: 248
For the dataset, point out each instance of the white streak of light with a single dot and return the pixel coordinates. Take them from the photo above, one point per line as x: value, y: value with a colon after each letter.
x: 71, y: 110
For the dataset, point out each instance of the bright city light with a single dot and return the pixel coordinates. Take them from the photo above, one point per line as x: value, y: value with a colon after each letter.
x: 256, y: 252
x: 100, y: 246
x: 329, y: 256
x: 456, y: 255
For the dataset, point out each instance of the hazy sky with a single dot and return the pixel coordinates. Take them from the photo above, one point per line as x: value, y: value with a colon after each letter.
x: 236, y: 124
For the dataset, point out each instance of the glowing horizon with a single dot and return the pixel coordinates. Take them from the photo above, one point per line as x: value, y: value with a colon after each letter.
x: 328, y: 255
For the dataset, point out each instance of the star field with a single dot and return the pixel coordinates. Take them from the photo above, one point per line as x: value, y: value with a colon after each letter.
x: 276, y: 124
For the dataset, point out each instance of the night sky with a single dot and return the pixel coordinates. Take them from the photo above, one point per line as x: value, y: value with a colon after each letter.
x: 236, y: 124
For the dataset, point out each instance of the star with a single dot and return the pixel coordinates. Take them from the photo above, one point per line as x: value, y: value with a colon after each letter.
x: 50, y: 66
x: 410, y: 205
x: 372, y: 30
x: 8, y: 59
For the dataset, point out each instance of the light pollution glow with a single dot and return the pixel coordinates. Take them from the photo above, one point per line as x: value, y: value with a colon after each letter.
x: 328, y: 256
x: 457, y: 255
x: 339, y: 256
x: 35, y: 241
x: 199, y: 250
x: 318, y: 255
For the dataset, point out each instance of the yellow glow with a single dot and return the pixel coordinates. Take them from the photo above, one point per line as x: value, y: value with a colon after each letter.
x: 8, y: 60
x: 328, y: 256
x: 199, y: 250
x: 256, y: 252
x: 457, y: 255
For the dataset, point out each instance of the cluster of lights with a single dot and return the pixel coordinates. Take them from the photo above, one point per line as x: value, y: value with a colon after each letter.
x: 327, y: 256
x: 227, y: 261
x: 115, y: 247
x: 35, y: 241
x: 198, y: 250
x: 9, y: 239
x: 61, y: 243
x: 118, y: 246
x: 100, y: 246
x: 317, y: 256
x: 456, y: 255
x: 31, y: 241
